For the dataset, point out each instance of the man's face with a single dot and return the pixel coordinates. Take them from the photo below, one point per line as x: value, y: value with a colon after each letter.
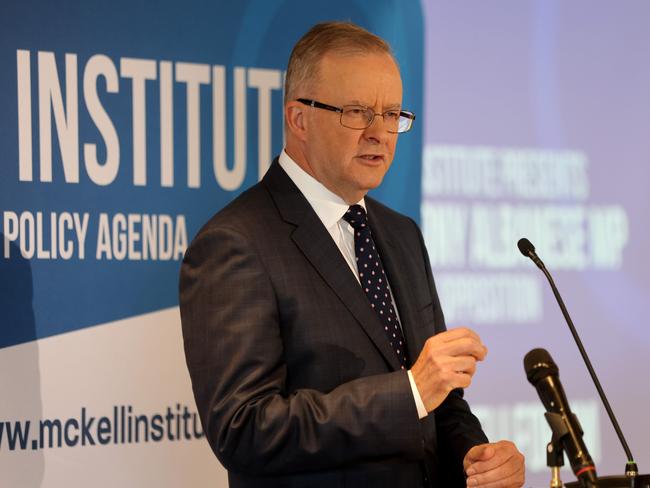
x: 350, y: 162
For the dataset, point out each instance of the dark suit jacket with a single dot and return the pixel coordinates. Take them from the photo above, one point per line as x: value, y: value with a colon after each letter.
x: 295, y: 382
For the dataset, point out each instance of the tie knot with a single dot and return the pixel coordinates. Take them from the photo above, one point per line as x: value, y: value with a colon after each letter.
x: 356, y: 217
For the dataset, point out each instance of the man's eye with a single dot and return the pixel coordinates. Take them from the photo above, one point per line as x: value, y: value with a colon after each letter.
x: 356, y: 111
x: 392, y: 115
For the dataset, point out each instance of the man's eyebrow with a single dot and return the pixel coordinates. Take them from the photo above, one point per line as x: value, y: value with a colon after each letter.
x: 357, y: 102
x: 390, y: 106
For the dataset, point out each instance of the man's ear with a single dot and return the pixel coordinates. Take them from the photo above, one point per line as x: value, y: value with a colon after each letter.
x: 295, y: 117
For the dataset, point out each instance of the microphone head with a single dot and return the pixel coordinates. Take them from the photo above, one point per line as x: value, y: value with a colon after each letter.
x: 525, y: 247
x: 539, y: 364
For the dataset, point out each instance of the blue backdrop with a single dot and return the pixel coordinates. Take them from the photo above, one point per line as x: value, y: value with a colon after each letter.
x: 129, y: 56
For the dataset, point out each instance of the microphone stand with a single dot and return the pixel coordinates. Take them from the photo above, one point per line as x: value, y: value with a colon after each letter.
x: 631, y: 469
x: 555, y: 460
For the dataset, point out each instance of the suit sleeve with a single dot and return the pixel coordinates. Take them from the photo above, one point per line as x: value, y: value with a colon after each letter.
x: 234, y: 350
x: 457, y: 428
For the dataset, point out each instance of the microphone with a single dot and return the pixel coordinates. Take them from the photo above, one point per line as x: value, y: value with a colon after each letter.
x: 527, y: 249
x: 543, y: 374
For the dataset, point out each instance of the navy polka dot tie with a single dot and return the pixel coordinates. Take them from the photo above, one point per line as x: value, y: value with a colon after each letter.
x: 373, y: 280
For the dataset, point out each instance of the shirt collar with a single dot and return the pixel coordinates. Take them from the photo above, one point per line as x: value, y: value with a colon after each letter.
x: 328, y: 205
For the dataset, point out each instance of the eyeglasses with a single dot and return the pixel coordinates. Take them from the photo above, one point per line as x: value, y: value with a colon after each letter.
x: 360, y: 117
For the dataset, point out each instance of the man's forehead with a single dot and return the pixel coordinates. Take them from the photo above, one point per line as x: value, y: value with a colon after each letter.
x: 360, y: 77
x: 353, y: 57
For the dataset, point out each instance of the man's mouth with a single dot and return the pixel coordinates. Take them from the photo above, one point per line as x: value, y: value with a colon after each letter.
x: 372, y: 157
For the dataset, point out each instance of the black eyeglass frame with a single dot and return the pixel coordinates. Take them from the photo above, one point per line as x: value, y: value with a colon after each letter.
x: 402, y: 113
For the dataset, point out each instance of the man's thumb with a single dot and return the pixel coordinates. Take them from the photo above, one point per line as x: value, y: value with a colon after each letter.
x: 480, y: 453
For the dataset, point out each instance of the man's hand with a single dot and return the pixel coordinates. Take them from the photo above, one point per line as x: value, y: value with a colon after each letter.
x: 447, y: 361
x: 496, y: 465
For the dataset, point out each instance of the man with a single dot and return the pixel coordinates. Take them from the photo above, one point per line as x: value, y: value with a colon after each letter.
x: 313, y: 333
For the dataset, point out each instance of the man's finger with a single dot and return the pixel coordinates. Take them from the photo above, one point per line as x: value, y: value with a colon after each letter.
x: 463, y: 347
x: 499, y: 478
x: 478, y: 453
x: 463, y: 364
x: 458, y: 333
x: 491, y: 459
x: 504, y: 468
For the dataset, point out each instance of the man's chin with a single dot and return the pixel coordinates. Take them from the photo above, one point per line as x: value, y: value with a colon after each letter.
x: 370, y: 184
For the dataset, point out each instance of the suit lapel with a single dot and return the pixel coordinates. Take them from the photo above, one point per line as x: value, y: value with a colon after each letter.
x: 311, y: 237
x: 399, y: 279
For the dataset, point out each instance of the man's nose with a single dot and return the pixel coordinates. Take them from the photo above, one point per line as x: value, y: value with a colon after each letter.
x: 376, y: 132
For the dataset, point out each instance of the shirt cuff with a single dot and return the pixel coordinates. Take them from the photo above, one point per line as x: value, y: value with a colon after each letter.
x: 422, y: 410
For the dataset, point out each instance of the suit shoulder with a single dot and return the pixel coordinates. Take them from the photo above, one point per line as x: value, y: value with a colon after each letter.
x: 243, y: 214
x: 387, y: 214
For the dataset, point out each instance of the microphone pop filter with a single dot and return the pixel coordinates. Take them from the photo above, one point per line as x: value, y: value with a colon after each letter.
x: 525, y: 246
x: 539, y: 364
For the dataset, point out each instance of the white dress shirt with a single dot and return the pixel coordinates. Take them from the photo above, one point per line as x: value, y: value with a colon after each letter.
x: 330, y: 209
